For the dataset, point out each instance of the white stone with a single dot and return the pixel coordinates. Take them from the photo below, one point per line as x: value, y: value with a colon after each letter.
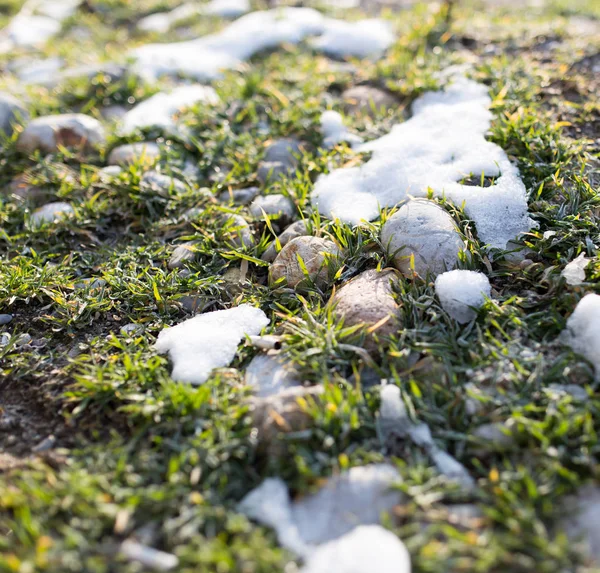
x: 422, y: 238
x: 161, y: 184
x: 441, y: 144
x: 334, y: 130
x: 51, y: 212
x: 366, y: 549
x: 207, y: 341
x: 160, y: 110
x: 240, y: 231
x: 583, y: 330
x: 461, y: 293
x: 574, y: 272
x: 582, y: 523
x: 71, y: 130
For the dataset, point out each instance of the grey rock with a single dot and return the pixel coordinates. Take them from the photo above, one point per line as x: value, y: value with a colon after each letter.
x: 367, y: 99
x: 424, y: 232
x: 46, y: 444
x: 5, y: 319
x: 498, y: 436
x: 320, y: 258
x: 284, y: 150
x: 276, y: 205
x: 239, y: 196
x: 90, y: 283
x: 367, y: 378
x: 368, y: 300
x: 146, y: 152
x: 269, y: 374
x: 71, y: 130
x: 241, y: 234
x: 576, y: 392
x: 51, y: 212
x: 12, y: 112
x: 270, y: 171
x: 297, y: 229
x: 160, y: 184
x: 182, y: 254
x: 194, y: 304
x: 131, y: 329
x: 110, y: 172
x: 4, y: 338
x: 23, y: 339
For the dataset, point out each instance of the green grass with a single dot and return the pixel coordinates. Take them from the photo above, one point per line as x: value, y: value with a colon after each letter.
x: 138, y: 454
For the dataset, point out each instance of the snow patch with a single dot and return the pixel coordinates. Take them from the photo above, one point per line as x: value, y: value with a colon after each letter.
x: 334, y: 130
x: 461, y: 292
x: 208, y: 341
x: 574, y: 272
x: 359, y: 39
x: 206, y: 57
x: 36, y: 23
x: 365, y: 549
x: 357, y: 497
x: 583, y: 330
x: 443, y: 143
x: 159, y: 110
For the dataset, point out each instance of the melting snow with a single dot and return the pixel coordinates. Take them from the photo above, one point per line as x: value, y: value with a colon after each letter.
x: 208, y: 341
x: 365, y: 549
x: 206, y: 57
x: 334, y: 130
x: 359, y: 39
x: 442, y: 143
x: 160, y: 109
x: 357, y: 497
x: 574, y: 272
x: 461, y: 292
x: 583, y: 330
x: 37, y: 22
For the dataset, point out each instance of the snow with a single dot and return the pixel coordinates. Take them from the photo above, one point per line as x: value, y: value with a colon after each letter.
x: 37, y: 22
x: 356, y: 497
x: 359, y: 39
x: 574, y: 272
x: 163, y: 21
x: 366, y: 549
x: 334, y: 130
x: 460, y: 292
x: 583, y: 330
x: 159, y: 110
x: 442, y: 143
x: 208, y: 341
x: 206, y: 57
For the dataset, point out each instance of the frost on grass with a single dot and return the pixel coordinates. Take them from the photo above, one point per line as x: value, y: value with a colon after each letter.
x: 574, y: 272
x: 357, y: 497
x: 441, y: 145
x: 334, y: 130
x: 206, y: 57
x: 462, y: 292
x: 208, y: 341
x: 160, y: 110
x: 583, y: 330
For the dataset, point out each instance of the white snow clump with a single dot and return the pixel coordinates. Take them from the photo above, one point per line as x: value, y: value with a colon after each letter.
x: 461, y: 292
x: 583, y: 330
x: 160, y: 109
x: 574, y: 272
x: 205, y: 58
x: 334, y: 130
x: 443, y: 143
x: 208, y: 341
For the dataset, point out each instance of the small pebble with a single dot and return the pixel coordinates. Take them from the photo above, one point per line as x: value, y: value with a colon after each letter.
x: 5, y: 319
